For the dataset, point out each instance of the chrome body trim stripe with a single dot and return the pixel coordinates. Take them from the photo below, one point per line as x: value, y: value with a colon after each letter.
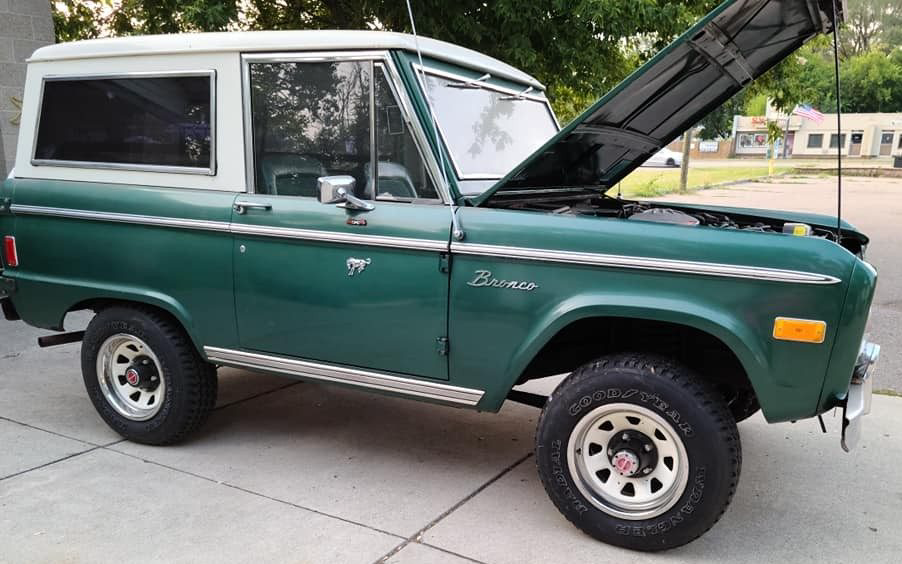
x: 345, y: 375
x: 644, y: 263
x: 239, y: 229
x: 336, y: 237
x: 471, y: 249
x: 122, y: 218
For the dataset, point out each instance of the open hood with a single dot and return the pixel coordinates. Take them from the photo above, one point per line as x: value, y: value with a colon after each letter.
x: 715, y: 59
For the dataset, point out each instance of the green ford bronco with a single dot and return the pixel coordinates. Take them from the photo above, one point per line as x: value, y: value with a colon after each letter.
x: 406, y: 216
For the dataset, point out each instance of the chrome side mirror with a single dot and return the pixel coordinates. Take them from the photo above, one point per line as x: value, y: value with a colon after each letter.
x: 340, y: 190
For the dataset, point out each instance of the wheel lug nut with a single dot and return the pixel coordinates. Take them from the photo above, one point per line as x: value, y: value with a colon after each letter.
x: 647, y: 471
x: 625, y: 436
x: 647, y: 448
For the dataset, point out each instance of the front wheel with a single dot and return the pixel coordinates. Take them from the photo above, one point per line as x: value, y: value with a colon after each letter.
x: 144, y: 376
x: 638, y: 452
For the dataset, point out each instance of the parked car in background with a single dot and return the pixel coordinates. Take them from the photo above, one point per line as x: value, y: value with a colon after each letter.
x: 665, y: 157
x: 339, y: 207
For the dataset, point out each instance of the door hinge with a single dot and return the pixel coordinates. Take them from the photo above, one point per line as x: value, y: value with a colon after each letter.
x: 441, y: 345
x: 444, y: 263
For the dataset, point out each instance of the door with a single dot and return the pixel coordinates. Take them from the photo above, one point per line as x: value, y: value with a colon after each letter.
x: 886, y: 143
x: 855, y: 146
x: 325, y: 282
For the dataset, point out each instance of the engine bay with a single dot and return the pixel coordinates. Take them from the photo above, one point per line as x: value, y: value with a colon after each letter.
x: 604, y: 206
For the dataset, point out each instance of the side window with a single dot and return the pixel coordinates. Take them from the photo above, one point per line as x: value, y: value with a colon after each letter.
x: 400, y: 169
x: 314, y: 119
x: 837, y: 140
x: 310, y: 120
x: 127, y: 122
x: 815, y: 140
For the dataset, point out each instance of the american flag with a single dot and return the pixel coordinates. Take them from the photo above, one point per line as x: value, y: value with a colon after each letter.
x: 808, y: 112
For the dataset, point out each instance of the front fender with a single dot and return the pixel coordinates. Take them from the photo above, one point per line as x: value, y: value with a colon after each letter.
x: 739, y: 338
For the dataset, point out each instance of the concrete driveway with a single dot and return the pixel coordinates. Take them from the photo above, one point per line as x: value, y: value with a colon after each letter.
x: 301, y: 472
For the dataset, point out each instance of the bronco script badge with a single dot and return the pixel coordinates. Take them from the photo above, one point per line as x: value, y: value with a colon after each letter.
x: 483, y: 278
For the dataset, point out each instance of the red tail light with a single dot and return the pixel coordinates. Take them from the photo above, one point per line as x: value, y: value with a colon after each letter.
x: 9, y: 249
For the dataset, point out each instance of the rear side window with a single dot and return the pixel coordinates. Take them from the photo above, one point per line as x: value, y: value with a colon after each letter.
x: 140, y: 123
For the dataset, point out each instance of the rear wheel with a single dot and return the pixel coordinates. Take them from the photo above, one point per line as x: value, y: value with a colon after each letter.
x: 638, y: 452
x: 144, y: 376
x: 671, y: 162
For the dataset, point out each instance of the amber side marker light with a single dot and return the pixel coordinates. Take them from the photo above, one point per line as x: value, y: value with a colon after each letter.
x: 799, y: 330
x: 9, y: 249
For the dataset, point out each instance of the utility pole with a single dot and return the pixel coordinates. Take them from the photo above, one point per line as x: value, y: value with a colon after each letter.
x: 684, y: 166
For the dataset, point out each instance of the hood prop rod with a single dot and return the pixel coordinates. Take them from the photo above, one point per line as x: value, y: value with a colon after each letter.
x: 839, y: 138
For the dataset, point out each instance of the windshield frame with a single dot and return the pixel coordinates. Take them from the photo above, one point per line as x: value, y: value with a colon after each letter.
x: 420, y: 70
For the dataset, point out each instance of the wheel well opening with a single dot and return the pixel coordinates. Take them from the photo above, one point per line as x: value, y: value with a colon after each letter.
x: 588, y: 339
x: 98, y: 304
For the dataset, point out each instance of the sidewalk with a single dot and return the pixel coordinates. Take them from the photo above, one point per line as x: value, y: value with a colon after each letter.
x: 302, y: 472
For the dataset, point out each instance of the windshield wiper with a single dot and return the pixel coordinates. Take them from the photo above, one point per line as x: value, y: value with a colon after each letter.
x: 475, y: 83
x: 520, y: 96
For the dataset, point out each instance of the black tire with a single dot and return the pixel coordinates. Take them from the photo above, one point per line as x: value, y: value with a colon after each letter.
x: 672, y: 395
x: 671, y: 162
x: 190, y: 388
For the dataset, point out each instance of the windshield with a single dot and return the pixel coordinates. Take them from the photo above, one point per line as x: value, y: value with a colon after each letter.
x: 488, y: 129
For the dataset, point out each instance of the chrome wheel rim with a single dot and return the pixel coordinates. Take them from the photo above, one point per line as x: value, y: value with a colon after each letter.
x: 596, y: 461
x: 118, y: 354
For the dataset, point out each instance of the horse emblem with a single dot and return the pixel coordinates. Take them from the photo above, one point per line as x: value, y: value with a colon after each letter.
x: 356, y: 265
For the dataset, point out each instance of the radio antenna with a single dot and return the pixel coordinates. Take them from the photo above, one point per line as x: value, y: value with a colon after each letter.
x: 839, y: 138
x: 456, y: 230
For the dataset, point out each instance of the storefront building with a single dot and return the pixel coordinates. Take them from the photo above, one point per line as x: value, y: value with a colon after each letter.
x: 865, y: 136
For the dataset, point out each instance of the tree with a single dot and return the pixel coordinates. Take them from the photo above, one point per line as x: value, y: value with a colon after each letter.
x: 578, y: 48
x: 88, y: 19
x: 871, y: 24
x: 872, y: 82
x: 74, y: 19
x: 172, y: 16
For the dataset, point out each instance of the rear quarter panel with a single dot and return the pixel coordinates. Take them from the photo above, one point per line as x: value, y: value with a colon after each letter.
x: 65, y: 261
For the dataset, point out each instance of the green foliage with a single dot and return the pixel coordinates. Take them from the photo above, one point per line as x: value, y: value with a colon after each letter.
x: 755, y: 104
x: 871, y: 81
x: 74, y: 19
x: 87, y: 19
x: 578, y: 48
x: 871, y: 25
x: 774, y: 132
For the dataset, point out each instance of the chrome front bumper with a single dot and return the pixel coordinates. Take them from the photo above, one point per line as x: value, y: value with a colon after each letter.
x: 858, y: 399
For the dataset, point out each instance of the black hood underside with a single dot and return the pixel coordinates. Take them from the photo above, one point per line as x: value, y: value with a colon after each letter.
x: 715, y: 59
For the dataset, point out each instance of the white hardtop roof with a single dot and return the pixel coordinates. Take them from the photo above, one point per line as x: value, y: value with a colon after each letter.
x: 277, y: 41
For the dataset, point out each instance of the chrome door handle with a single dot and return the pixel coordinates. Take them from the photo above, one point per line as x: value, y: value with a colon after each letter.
x: 241, y: 207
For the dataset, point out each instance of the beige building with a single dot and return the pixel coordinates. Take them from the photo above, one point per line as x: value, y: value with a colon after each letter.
x: 865, y: 136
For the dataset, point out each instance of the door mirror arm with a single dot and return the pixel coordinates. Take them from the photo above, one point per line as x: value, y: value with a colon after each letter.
x: 339, y: 190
